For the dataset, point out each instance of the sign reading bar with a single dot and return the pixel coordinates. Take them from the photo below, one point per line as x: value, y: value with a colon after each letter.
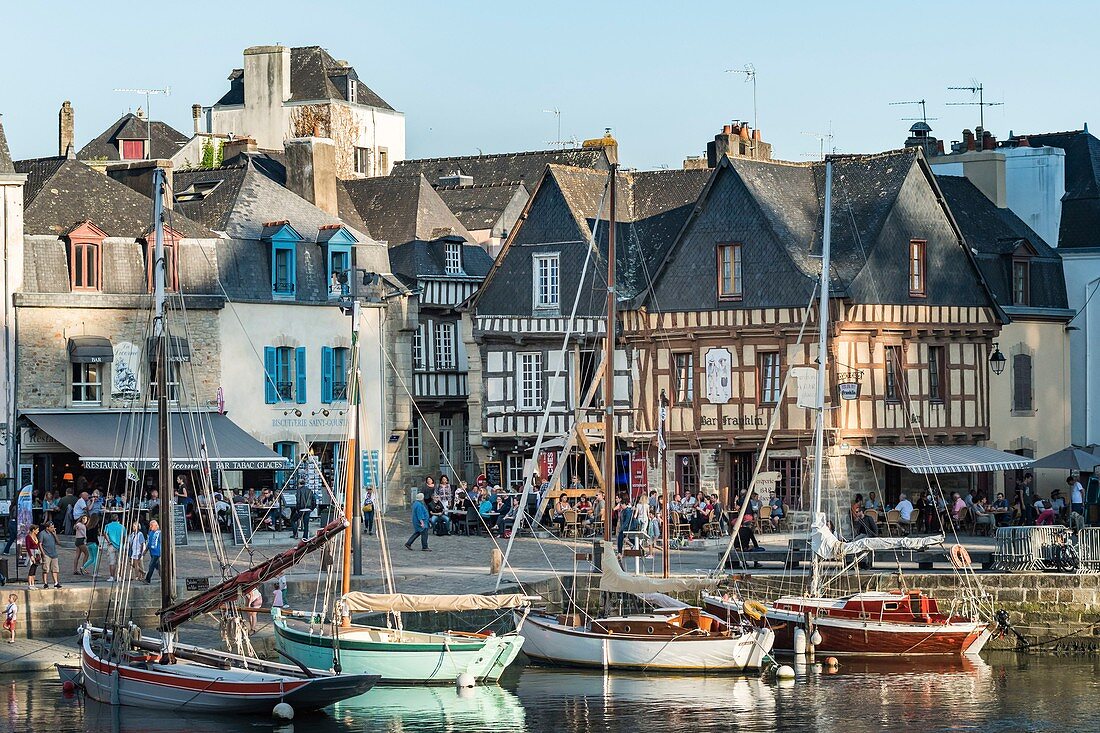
x: 242, y: 523
x: 179, y: 525
x: 494, y: 473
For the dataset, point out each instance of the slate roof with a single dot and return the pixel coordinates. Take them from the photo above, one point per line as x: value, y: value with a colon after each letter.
x: 61, y: 193
x: 165, y: 141
x: 312, y: 74
x: 413, y: 260
x: 481, y: 205
x: 996, y: 234
x: 498, y: 168
x: 1080, y: 224
x: 399, y: 209
x: 6, y: 166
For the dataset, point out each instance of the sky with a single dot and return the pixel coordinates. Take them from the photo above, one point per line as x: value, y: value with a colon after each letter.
x: 479, y: 76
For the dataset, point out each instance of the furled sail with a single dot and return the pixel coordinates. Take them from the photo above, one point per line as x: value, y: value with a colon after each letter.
x: 827, y: 546
x: 615, y: 580
x: 406, y: 603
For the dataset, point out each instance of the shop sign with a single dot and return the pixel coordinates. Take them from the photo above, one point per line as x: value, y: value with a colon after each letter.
x: 639, y: 474
x: 548, y: 463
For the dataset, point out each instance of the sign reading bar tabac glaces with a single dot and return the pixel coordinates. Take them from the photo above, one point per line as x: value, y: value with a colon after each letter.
x: 188, y: 464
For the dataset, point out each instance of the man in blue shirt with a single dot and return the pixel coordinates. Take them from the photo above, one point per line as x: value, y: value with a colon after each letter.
x: 420, y: 524
x: 116, y: 533
x: 153, y: 545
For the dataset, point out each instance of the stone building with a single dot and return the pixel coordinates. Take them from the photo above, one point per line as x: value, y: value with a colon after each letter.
x: 284, y: 93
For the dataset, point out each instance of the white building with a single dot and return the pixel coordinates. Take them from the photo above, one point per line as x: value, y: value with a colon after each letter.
x: 11, y: 277
x: 285, y: 93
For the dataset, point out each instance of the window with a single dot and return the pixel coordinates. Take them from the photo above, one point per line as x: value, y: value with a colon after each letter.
x: 418, y: 347
x: 1021, y: 383
x: 893, y: 373
x: 937, y: 373
x: 1021, y: 282
x: 729, y: 272
x: 684, y: 378
x: 412, y: 442
x: 767, y: 376
x: 288, y: 451
x: 917, y: 264
x: 546, y: 281
x: 282, y: 270
x: 284, y: 374
x: 334, y: 374
x: 590, y: 363
x: 173, y: 381
x: 446, y: 444
x: 530, y: 380
x: 515, y: 472
x: 87, y: 384
x: 352, y: 85
x: 467, y: 449
x: 133, y: 149
x: 687, y: 472
x: 339, y: 262
x: 454, y: 258
x: 84, y: 264
x: 171, y: 262
x: 362, y: 161
x: 383, y: 161
x: 445, y: 346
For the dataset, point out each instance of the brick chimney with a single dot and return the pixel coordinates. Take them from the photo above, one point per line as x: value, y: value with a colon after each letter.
x: 66, y: 126
x: 233, y: 147
x: 138, y: 175
x: 196, y: 116
x: 311, y: 171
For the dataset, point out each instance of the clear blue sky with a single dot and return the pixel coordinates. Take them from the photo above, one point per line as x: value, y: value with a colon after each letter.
x: 472, y: 75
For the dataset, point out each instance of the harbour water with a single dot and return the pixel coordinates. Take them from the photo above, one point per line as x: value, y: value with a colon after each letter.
x: 1004, y: 693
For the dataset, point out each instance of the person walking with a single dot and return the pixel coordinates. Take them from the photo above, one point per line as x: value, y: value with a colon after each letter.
x: 1076, y: 495
x: 34, y: 552
x: 116, y: 534
x: 305, y: 502
x: 11, y: 612
x: 93, y: 549
x: 368, y: 511
x: 47, y: 542
x: 153, y: 545
x: 136, y: 544
x: 80, y: 531
x: 13, y: 528
x: 420, y: 524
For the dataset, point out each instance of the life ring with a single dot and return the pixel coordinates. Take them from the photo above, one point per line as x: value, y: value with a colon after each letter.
x: 959, y: 557
x: 755, y: 610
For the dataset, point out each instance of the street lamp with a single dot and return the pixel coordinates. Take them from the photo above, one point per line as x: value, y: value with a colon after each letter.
x: 997, y: 360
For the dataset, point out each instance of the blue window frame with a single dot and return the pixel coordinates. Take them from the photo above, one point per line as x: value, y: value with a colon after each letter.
x: 334, y: 374
x: 280, y: 377
x: 284, y: 258
x: 288, y: 451
x: 338, y: 243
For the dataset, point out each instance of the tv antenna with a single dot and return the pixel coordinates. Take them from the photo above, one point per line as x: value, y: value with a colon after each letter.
x: 749, y: 73
x: 923, y: 111
x: 975, y: 88
x: 557, y: 113
x: 149, y: 93
x: 821, y: 138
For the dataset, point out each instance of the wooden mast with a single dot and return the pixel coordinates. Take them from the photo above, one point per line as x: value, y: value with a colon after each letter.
x: 664, y: 516
x: 609, y: 370
x: 164, y: 451
x: 822, y: 366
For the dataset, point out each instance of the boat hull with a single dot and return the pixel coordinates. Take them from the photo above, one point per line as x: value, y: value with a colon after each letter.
x: 401, y: 657
x: 551, y: 642
x: 206, y: 689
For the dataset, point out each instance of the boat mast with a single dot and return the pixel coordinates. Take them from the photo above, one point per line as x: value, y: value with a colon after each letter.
x: 822, y: 367
x: 609, y: 371
x: 352, y: 461
x: 663, y: 447
x: 164, y: 454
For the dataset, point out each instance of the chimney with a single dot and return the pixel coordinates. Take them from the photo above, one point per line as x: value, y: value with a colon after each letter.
x: 608, y: 143
x: 968, y: 140
x: 140, y: 114
x: 65, y: 129
x: 234, y: 146
x: 196, y: 116
x: 138, y: 175
x: 266, y: 87
x: 311, y: 171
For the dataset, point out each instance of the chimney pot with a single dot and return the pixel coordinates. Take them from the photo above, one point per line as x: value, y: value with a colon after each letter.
x: 196, y: 115
x: 744, y: 132
x: 756, y: 135
x: 727, y: 129
x: 65, y: 129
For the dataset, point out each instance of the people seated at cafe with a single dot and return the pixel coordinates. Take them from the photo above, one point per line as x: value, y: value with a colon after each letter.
x: 1044, y: 515
x: 905, y: 509
x: 754, y: 505
x: 778, y: 512
x: 558, y: 514
x: 437, y: 516
x: 596, y: 512
x: 872, y: 502
x: 956, y: 507
x: 1058, y: 503
x: 862, y: 524
x: 575, y: 483
x: 583, y: 505
x: 506, y: 510
x: 703, y: 514
x: 983, y: 519
x: 221, y: 509
x: 444, y: 491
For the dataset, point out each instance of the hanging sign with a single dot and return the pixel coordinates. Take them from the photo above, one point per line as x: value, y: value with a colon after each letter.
x: 766, y: 481
x: 719, y: 376
x: 548, y: 463
x: 806, y: 378
x: 370, y: 473
x: 639, y: 474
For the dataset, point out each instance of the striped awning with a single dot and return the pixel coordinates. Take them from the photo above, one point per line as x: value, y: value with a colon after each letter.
x: 947, y: 458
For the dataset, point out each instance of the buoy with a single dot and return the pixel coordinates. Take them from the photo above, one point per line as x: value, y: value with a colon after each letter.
x: 800, y: 641
x: 465, y: 681
x: 815, y: 638
x: 68, y: 686
x: 832, y: 662
x: 283, y: 711
x: 786, y: 672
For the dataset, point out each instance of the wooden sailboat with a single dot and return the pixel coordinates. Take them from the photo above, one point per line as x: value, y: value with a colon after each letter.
x: 396, y: 655
x: 119, y: 666
x: 904, y: 622
x: 675, y: 636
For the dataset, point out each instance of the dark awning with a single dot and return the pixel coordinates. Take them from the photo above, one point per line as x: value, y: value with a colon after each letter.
x: 90, y: 350
x: 115, y: 440
x: 946, y: 458
x: 178, y: 349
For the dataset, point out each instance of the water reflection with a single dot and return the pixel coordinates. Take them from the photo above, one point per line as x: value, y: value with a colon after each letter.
x: 1009, y: 694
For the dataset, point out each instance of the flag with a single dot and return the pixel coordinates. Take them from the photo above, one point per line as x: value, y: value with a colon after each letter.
x: 661, y: 428
x: 132, y: 473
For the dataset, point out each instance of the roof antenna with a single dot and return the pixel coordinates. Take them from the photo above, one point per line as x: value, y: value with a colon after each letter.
x: 148, y: 113
x: 750, y: 75
x: 821, y: 138
x: 557, y: 113
x: 975, y: 88
x: 923, y: 111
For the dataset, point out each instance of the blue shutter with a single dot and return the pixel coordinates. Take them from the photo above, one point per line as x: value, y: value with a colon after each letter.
x: 300, y: 367
x: 271, y: 395
x: 326, y: 374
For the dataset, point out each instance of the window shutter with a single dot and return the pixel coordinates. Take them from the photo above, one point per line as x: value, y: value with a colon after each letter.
x: 271, y: 395
x: 300, y: 368
x: 326, y: 374
x: 1021, y: 383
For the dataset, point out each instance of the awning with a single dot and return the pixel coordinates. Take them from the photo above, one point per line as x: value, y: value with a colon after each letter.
x: 947, y: 458
x: 178, y: 349
x: 116, y: 440
x: 90, y: 350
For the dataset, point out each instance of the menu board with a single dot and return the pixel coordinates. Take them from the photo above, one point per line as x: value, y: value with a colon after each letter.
x: 494, y: 473
x: 179, y: 525
x: 242, y: 523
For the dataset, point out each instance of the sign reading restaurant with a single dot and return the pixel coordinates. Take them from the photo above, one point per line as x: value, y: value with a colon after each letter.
x: 189, y: 464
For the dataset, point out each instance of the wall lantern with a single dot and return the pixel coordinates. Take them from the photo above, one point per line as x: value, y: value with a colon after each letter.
x: 997, y: 359
x: 848, y: 384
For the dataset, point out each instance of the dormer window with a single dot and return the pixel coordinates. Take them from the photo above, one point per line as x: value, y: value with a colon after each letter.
x: 131, y: 149
x: 338, y: 243
x: 284, y: 256
x: 86, y: 257
x: 1021, y: 281
x: 197, y: 191
x: 454, y: 258
x: 917, y: 268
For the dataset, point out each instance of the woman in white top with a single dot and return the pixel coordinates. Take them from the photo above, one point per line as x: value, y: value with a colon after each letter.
x: 137, y: 549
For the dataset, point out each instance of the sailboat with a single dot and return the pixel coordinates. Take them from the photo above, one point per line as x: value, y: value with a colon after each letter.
x: 903, y: 622
x: 120, y: 666
x: 394, y: 654
x: 675, y: 636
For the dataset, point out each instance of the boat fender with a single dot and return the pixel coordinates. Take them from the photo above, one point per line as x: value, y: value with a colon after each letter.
x: 800, y: 640
x: 283, y: 711
x: 465, y: 681
x: 959, y: 557
x: 815, y: 638
x: 785, y: 672
x: 755, y: 610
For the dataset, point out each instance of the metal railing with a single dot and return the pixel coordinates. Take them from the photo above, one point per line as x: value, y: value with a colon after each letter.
x: 1029, y: 549
x: 1088, y: 549
x: 285, y: 391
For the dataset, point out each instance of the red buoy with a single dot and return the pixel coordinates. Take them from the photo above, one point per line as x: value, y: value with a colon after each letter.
x: 68, y: 686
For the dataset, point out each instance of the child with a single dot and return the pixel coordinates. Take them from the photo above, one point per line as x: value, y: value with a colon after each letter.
x: 10, y: 612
